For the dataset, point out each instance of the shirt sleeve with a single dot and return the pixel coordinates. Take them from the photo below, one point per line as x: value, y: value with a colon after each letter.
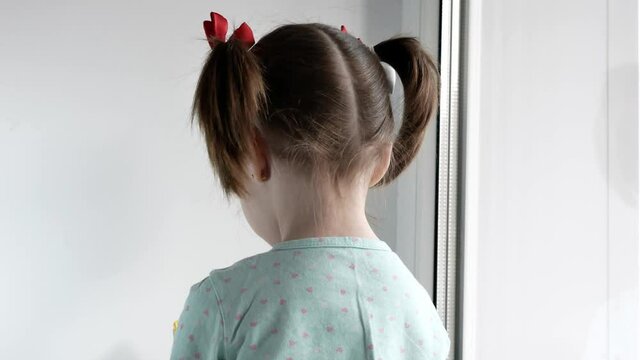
x: 199, y: 331
x: 440, y: 343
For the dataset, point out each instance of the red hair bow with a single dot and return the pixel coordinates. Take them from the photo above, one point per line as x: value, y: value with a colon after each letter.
x: 216, y: 29
x: 344, y: 30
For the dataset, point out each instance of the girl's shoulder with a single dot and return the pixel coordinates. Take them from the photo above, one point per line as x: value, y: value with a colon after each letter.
x: 242, y: 268
x: 248, y: 263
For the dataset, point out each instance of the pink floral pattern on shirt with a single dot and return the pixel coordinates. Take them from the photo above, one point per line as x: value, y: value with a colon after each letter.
x: 312, y: 298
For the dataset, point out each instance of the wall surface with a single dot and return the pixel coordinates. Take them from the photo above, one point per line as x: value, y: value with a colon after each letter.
x: 551, y: 266
x: 108, y: 208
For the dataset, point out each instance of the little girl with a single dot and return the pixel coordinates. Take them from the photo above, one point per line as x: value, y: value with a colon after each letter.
x: 299, y: 126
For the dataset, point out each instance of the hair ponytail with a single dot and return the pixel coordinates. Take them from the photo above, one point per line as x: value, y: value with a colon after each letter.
x: 420, y: 79
x: 228, y: 102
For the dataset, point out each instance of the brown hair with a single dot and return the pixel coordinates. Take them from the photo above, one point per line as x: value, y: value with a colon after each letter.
x: 318, y: 96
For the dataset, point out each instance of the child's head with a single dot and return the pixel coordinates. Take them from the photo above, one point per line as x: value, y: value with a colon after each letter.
x: 306, y: 112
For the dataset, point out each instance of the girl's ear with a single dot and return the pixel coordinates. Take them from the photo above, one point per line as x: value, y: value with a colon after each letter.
x: 260, y: 164
x: 382, y: 165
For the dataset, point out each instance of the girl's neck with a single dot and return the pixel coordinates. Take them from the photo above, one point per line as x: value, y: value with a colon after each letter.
x: 303, y: 211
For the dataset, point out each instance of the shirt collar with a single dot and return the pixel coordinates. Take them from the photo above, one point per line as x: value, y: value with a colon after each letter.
x: 333, y: 241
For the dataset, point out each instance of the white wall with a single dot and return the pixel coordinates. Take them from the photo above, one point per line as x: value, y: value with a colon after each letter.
x: 108, y: 209
x: 552, y: 255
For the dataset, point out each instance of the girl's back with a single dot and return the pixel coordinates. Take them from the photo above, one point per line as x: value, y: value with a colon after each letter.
x: 299, y: 125
x: 312, y: 298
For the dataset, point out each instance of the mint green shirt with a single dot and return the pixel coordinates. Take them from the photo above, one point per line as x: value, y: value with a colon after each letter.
x: 312, y: 298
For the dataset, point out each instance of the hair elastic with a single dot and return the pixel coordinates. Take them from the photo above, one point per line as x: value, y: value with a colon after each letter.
x: 391, y: 75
